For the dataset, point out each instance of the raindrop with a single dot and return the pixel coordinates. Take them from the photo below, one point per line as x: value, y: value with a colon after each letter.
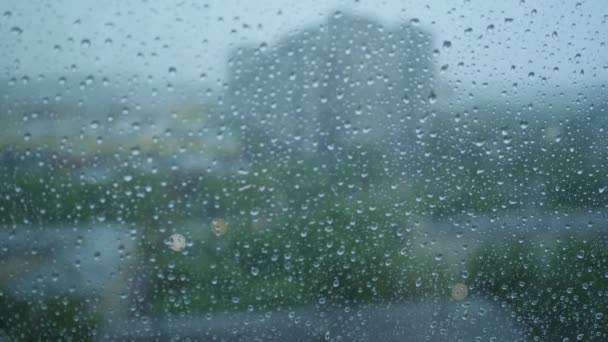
x: 176, y: 242
x: 135, y: 151
x: 580, y: 254
x: 219, y: 227
x: 459, y: 292
x: 16, y: 30
x: 523, y: 124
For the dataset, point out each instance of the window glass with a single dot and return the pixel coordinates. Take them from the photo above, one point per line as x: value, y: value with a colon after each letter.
x: 303, y: 170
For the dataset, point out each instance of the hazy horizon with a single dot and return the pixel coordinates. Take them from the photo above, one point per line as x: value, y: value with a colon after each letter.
x: 120, y: 41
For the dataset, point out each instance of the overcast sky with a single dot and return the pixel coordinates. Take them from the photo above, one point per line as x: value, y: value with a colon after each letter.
x: 506, y: 40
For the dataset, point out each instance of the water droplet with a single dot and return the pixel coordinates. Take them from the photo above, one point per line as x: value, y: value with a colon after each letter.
x: 219, y: 227
x: 135, y: 151
x: 176, y: 242
x: 254, y: 271
x: 459, y: 292
x: 16, y: 30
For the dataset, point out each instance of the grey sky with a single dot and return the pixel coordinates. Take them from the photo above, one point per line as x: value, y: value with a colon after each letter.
x: 196, y: 36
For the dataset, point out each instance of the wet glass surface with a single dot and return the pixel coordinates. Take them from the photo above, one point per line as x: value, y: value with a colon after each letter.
x: 303, y: 171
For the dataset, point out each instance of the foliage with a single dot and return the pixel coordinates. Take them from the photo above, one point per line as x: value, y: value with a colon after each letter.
x: 557, y: 289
